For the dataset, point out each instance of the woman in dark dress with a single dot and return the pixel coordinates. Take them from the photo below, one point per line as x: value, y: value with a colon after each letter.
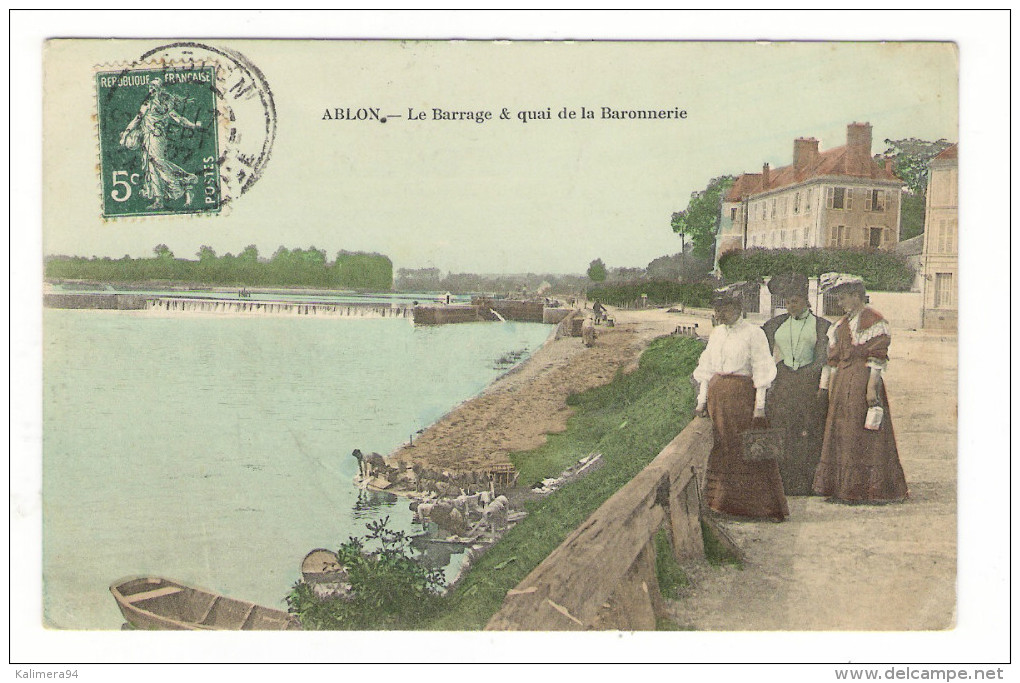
x: 858, y: 465
x: 799, y: 345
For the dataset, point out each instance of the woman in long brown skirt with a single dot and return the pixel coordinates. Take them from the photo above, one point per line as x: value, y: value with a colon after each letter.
x: 734, y: 372
x: 858, y: 465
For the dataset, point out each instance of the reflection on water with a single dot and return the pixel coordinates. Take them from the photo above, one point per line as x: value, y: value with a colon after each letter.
x: 369, y: 504
x: 216, y: 450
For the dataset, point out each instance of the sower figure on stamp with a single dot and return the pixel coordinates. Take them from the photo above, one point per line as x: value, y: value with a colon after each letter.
x: 860, y: 463
x: 734, y: 372
x: 799, y: 345
x: 149, y: 130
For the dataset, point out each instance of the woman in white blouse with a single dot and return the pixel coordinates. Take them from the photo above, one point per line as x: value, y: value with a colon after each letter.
x: 733, y: 374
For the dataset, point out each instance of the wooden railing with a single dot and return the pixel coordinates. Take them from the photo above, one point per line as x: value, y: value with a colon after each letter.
x: 603, y: 575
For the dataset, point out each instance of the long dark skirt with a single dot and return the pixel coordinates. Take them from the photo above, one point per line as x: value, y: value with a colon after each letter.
x: 732, y: 485
x: 793, y: 407
x: 858, y: 465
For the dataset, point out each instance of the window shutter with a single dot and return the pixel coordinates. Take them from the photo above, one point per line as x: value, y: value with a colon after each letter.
x: 867, y: 201
x: 849, y: 202
x: 828, y: 197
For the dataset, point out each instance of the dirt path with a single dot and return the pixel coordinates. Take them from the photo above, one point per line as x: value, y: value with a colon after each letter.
x: 841, y: 567
x: 520, y: 408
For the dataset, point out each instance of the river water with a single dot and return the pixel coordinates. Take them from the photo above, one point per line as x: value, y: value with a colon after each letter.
x: 215, y: 449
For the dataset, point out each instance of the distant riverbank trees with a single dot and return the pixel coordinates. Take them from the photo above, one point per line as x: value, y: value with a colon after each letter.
x: 286, y: 268
x: 433, y: 280
x: 653, y: 293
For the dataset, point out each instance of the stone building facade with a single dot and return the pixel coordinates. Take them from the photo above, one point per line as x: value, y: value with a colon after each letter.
x: 837, y: 198
x: 940, y: 256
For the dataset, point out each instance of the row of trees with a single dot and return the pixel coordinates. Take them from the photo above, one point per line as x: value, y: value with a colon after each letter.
x: 287, y: 267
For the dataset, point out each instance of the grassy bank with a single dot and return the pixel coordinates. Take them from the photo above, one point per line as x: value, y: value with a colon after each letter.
x: 628, y: 421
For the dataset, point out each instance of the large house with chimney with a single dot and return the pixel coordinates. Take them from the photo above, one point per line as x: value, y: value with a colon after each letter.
x: 837, y: 198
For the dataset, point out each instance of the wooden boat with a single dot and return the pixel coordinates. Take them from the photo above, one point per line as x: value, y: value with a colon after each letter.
x: 153, y: 603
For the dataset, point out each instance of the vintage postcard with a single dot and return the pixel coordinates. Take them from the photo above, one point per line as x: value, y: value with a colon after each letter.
x: 478, y: 336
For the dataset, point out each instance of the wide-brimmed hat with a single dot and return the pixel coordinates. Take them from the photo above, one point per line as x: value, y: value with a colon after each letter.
x: 727, y: 296
x: 789, y: 284
x: 830, y: 283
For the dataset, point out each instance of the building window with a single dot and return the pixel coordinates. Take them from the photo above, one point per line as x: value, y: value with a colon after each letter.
x: 806, y: 237
x: 874, y: 200
x: 782, y: 238
x: 763, y: 210
x: 782, y: 206
x: 946, y: 238
x: 733, y: 214
x: 773, y: 207
x: 875, y: 239
x: 807, y: 201
x: 840, y: 198
x: 838, y: 236
x: 943, y: 290
x: 796, y: 203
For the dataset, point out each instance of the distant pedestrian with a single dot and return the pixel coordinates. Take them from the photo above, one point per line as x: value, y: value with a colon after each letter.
x: 859, y: 463
x: 733, y: 374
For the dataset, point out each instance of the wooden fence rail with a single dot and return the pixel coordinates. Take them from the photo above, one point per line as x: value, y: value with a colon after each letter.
x: 603, y: 574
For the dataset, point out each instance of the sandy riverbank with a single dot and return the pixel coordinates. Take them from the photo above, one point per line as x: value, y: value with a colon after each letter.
x: 519, y: 409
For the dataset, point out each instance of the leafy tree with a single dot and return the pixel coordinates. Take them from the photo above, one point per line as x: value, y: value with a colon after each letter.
x: 910, y: 160
x: 250, y: 253
x: 597, y: 271
x: 162, y: 251
x: 681, y: 266
x: 626, y: 274
x: 206, y: 254
x: 700, y: 220
x: 910, y: 163
x: 911, y: 215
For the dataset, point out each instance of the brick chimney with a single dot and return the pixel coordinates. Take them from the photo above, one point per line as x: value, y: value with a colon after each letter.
x: 805, y: 150
x: 858, y: 143
x: 765, y: 176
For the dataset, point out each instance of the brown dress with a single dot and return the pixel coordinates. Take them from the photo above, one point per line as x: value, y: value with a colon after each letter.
x: 858, y: 464
x: 733, y: 485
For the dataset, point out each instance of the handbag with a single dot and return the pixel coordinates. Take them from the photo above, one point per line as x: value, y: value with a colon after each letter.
x: 763, y: 444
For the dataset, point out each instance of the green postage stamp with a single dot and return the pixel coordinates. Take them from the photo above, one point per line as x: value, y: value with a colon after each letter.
x: 158, y: 141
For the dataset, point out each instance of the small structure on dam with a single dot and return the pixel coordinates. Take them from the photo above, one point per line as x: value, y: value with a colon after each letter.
x: 485, y: 308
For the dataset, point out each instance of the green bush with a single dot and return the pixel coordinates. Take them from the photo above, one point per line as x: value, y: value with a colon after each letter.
x: 660, y: 293
x: 390, y: 588
x: 882, y: 270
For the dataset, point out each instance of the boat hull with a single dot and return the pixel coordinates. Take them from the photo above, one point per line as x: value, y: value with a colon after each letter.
x: 153, y: 603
